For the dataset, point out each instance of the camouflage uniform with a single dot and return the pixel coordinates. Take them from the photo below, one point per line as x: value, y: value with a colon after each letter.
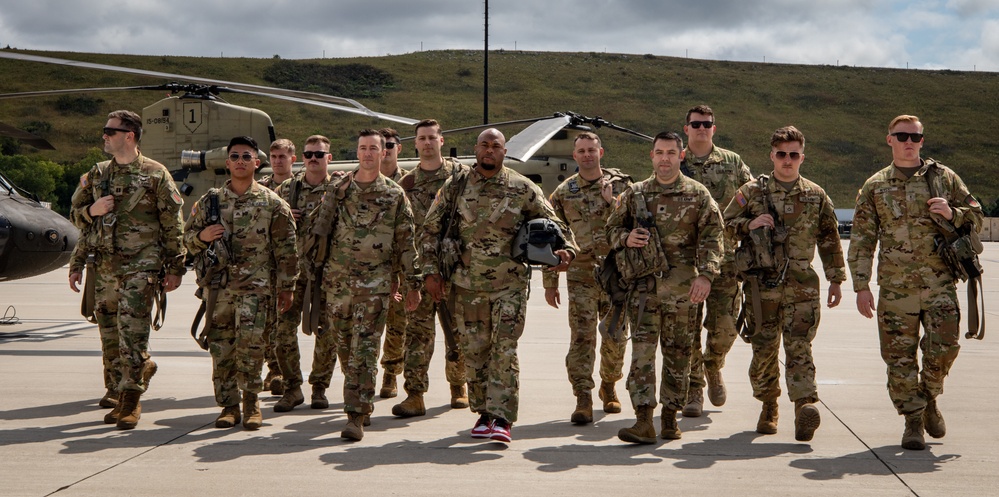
x: 106, y: 328
x: 791, y: 309
x: 690, y: 229
x: 264, y: 263
x: 916, y: 286
x: 143, y: 242
x: 489, y: 287
x: 394, y: 350
x: 579, y: 204
x: 270, y: 348
x: 421, y: 189
x: 370, y: 245
x: 722, y: 172
x: 285, y: 338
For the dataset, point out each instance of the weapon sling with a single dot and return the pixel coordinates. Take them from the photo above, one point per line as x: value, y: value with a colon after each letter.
x: 89, y: 301
x: 215, y: 282
x: 319, y: 244
x: 754, y: 278
x: 446, y: 317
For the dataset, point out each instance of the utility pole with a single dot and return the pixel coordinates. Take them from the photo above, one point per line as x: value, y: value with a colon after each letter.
x: 485, y: 69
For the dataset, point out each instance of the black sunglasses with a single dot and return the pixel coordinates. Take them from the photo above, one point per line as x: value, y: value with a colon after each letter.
x: 112, y: 131
x: 389, y: 145
x: 780, y: 154
x: 698, y: 124
x: 902, y: 136
x: 319, y: 154
x: 247, y: 157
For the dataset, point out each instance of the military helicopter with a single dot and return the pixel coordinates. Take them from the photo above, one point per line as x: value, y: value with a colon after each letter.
x: 34, y: 239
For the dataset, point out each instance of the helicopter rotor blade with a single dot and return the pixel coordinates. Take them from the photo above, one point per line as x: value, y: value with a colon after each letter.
x: 25, y: 137
x: 522, y: 146
x: 47, y: 93
x: 358, y: 109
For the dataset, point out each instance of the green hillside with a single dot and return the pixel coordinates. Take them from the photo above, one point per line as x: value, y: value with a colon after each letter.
x: 843, y: 111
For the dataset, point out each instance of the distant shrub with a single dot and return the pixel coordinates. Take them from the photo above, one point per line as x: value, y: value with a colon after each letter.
x: 343, y: 80
x: 464, y: 72
x: 40, y: 128
x: 83, y: 105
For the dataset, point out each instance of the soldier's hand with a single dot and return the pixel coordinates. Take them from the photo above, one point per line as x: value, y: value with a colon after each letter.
x: 761, y: 221
x: 435, y: 286
x: 637, y: 238
x: 699, y: 289
x: 413, y: 298
x: 171, y: 282
x: 74, y: 280
x: 552, y: 297
x: 285, y: 299
x: 566, y: 257
x: 101, y: 206
x: 211, y: 233
x: 297, y: 214
x: 835, y: 295
x: 939, y: 205
x: 865, y: 303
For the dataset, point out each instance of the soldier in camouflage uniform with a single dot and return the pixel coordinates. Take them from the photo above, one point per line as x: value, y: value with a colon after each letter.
x: 690, y: 230
x: 393, y: 350
x: 259, y: 230
x: 421, y: 185
x: 282, y: 156
x: 303, y: 191
x: 489, y: 287
x: 371, y: 243
x: 129, y: 211
x: 722, y: 172
x: 895, y: 208
x: 789, y: 302
x: 583, y: 202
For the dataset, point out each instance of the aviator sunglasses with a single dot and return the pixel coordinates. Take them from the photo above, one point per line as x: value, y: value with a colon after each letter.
x: 247, y: 157
x: 902, y: 136
x: 780, y: 154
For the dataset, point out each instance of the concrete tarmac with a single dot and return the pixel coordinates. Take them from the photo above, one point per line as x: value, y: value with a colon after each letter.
x: 53, y: 440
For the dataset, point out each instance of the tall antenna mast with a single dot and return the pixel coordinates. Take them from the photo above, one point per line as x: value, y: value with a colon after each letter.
x: 485, y: 69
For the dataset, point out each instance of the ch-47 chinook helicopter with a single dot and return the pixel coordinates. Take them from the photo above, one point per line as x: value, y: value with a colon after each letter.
x: 188, y: 133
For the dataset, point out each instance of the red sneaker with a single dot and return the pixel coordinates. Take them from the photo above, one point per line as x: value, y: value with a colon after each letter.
x: 501, y: 430
x: 483, y: 427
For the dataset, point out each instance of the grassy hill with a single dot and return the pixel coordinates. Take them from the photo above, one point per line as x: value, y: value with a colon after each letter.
x: 843, y: 111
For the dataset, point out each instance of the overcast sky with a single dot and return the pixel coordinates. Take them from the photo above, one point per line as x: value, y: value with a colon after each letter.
x: 949, y: 34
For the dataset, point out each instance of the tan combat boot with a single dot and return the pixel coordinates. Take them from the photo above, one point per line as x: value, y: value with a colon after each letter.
x: 389, y: 389
x: 131, y: 410
x: 608, y: 395
x: 584, y: 409
x: 112, y: 417
x: 806, y: 419
x: 412, y: 406
x: 912, y: 437
x: 695, y: 403
x: 274, y: 382
x: 643, y: 432
x: 149, y: 368
x: 253, y: 419
x: 291, y: 398
x: 670, y: 427
x: 933, y: 420
x: 716, y: 388
x: 229, y: 417
x: 319, y: 400
x: 110, y: 399
x: 767, y: 425
x: 355, y: 426
x: 459, y: 399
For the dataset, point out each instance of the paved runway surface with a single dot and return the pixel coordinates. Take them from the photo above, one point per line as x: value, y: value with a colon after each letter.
x: 53, y: 440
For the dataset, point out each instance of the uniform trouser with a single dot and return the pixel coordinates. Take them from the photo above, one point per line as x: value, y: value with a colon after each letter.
x: 284, y: 339
x: 358, y: 322
x: 489, y: 324
x: 270, y: 345
x: 722, y: 308
x: 420, y: 336
x: 107, y: 323
x: 129, y: 305
x: 325, y: 351
x: 796, y: 324
x: 671, y: 325
x: 394, y: 349
x: 900, y: 313
x: 587, y: 303
x: 236, y: 343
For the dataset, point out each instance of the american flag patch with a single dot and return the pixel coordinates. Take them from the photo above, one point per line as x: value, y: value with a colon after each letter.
x: 84, y: 181
x: 740, y: 199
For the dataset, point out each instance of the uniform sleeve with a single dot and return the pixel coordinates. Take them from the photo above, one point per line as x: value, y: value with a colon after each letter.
x: 169, y: 203
x: 967, y: 210
x: 710, y: 239
x: 78, y: 259
x: 863, y: 240
x: 284, y: 246
x: 81, y: 202
x: 828, y: 243
x: 738, y: 213
x: 430, y: 234
x: 745, y: 175
x: 195, y: 223
x: 620, y: 220
x: 406, y: 263
x: 549, y: 279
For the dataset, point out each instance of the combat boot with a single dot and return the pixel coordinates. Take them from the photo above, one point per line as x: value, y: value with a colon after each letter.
x: 412, y: 406
x: 110, y: 399
x: 670, y: 427
x: 389, y: 389
x: 149, y: 368
x: 716, y: 388
x: 695, y: 403
x: 643, y: 432
x: 292, y: 397
x: 608, y: 395
x: 767, y: 425
x: 584, y: 409
x: 933, y: 420
x: 912, y: 437
x: 355, y: 426
x: 319, y: 400
x: 253, y: 419
x: 806, y: 419
x: 459, y: 399
x: 112, y: 417
x: 274, y: 382
x: 131, y: 410
x: 229, y: 417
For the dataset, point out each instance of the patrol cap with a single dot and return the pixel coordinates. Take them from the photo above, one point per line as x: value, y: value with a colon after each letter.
x: 242, y: 140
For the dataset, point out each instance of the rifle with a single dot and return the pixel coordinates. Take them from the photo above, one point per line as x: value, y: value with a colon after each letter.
x: 211, y: 269
x: 762, y: 252
x: 448, y: 257
x: 317, y: 251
